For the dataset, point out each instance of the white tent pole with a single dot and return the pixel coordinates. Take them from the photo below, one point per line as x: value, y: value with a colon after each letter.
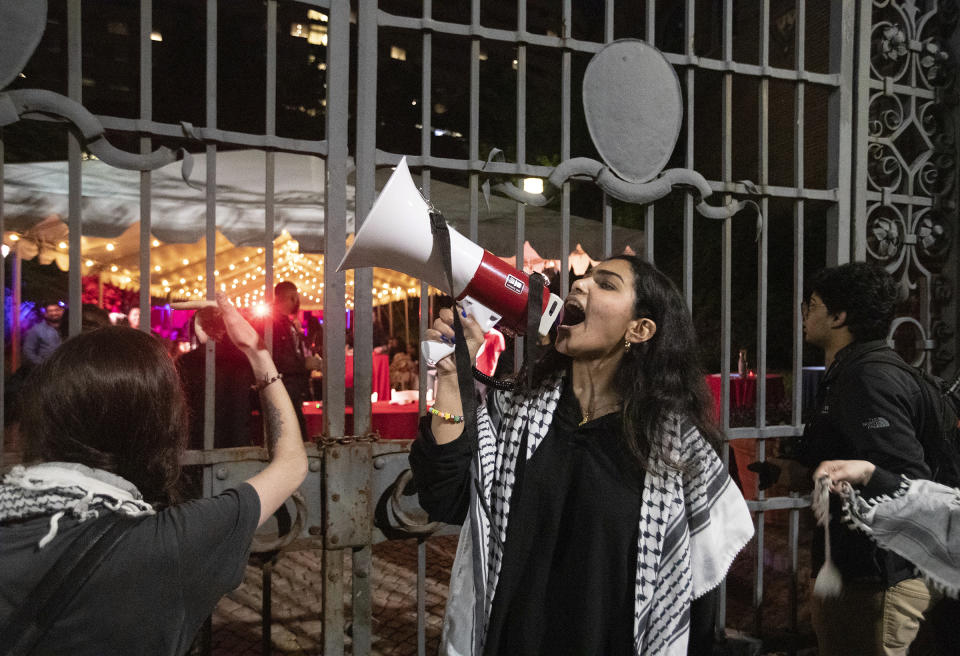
x: 17, y: 298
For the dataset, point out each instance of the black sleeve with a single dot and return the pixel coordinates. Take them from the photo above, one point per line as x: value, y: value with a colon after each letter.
x: 882, y: 482
x: 876, y: 417
x: 703, y: 617
x: 442, y: 474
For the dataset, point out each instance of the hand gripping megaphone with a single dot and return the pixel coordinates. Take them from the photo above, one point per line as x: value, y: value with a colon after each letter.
x: 396, y: 235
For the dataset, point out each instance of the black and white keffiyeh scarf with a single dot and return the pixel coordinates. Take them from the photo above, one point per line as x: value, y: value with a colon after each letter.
x: 692, y: 526
x: 919, y: 521
x: 56, y: 489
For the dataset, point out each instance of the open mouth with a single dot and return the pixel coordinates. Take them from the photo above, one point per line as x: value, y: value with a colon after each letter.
x: 572, y: 315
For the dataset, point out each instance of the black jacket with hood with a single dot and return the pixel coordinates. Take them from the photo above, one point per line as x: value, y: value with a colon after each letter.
x: 866, y: 410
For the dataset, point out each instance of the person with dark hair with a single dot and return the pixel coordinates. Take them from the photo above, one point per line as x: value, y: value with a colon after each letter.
x: 597, y: 517
x: 232, y: 422
x: 92, y: 317
x: 288, y: 348
x: 404, y: 370
x: 133, y: 318
x: 105, y: 425
x: 44, y: 336
x: 867, y: 408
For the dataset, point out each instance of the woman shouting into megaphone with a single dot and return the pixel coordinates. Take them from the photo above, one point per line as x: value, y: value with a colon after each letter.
x: 596, y: 513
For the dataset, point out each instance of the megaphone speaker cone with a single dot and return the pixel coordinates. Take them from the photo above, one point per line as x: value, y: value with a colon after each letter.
x: 396, y: 235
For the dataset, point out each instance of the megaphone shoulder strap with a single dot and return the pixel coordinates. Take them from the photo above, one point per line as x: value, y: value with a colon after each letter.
x: 441, y: 238
x: 534, y: 311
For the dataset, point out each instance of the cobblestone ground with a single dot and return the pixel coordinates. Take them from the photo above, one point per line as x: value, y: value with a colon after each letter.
x: 297, y: 602
x: 297, y: 599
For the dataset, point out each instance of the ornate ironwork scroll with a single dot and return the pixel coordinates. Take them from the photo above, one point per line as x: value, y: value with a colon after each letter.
x: 21, y: 27
x: 911, y: 171
x: 633, y: 108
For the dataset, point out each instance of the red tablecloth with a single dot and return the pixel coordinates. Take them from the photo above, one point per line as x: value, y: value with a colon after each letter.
x: 743, y: 396
x: 381, y: 375
x: 393, y: 422
x: 743, y: 391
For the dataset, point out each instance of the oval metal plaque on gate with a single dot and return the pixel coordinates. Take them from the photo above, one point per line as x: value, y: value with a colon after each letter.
x: 633, y: 108
x: 21, y: 25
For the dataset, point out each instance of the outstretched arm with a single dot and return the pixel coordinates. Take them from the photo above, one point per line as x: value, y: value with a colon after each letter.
x: 288, y: 459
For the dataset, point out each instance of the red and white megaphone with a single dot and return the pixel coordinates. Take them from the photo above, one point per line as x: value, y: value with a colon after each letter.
x: 396, y: 235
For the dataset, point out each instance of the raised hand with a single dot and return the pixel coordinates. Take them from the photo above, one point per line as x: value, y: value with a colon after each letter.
x: 442, y: 331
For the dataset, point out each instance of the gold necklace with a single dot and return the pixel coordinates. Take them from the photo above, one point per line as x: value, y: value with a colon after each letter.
x: 588, y: 414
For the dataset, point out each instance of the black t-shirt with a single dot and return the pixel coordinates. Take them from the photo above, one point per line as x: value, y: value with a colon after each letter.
x: 568, y: 574
x: 152, y: 593
x: 569, y: 566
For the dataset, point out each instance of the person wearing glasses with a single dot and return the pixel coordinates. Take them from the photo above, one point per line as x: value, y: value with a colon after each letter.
x: 867, y: 408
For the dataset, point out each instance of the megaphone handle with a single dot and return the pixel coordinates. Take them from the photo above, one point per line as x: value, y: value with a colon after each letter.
x: 441, y: 237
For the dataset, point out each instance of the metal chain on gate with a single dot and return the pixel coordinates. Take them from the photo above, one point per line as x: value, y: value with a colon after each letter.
x: 324, y: 441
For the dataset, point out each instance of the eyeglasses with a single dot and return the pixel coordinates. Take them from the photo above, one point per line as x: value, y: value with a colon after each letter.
x: 808, y: 305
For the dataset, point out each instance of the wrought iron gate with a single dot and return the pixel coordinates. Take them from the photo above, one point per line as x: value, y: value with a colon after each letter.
x: 841, y: 113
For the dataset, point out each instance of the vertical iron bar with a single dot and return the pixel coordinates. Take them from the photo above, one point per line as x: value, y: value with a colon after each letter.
x: 473, y: 136
x: 362, y: 601
x: 425, y: 149
x: 421, y: 596
x: 521, y: 151
x: 861, y: 111
x: 333, y: 616
x: 726, y: 246
x: 146, y: 145
x: 366, y: 139
x: 211, y: 236
x: 762, y: 270
x: 266, y: 609
x: 839, y: 140
x: 335, y: 205
x: 426, y: 120
x: 649, y: 237
x: 798, y: 256
x: 269, y: 207
x: 565, y: 113
x: 270, y: 125
x: 689, y: 79
x: 74, y: 166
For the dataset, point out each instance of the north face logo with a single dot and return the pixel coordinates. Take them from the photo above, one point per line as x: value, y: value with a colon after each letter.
x: 876, y: 422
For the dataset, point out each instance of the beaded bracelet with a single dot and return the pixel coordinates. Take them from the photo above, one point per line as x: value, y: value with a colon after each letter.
x: 259, y: 387
x: 456, y: 419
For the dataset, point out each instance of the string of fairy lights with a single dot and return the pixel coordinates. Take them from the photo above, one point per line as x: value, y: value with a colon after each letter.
x: 239, y: 272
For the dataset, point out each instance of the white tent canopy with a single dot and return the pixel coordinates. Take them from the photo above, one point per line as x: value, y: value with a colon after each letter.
x: 111, y: 201
x: 36, y: 204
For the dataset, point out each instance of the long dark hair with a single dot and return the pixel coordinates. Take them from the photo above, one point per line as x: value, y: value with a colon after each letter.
x: 659, y: 377
x: 110, y: 399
